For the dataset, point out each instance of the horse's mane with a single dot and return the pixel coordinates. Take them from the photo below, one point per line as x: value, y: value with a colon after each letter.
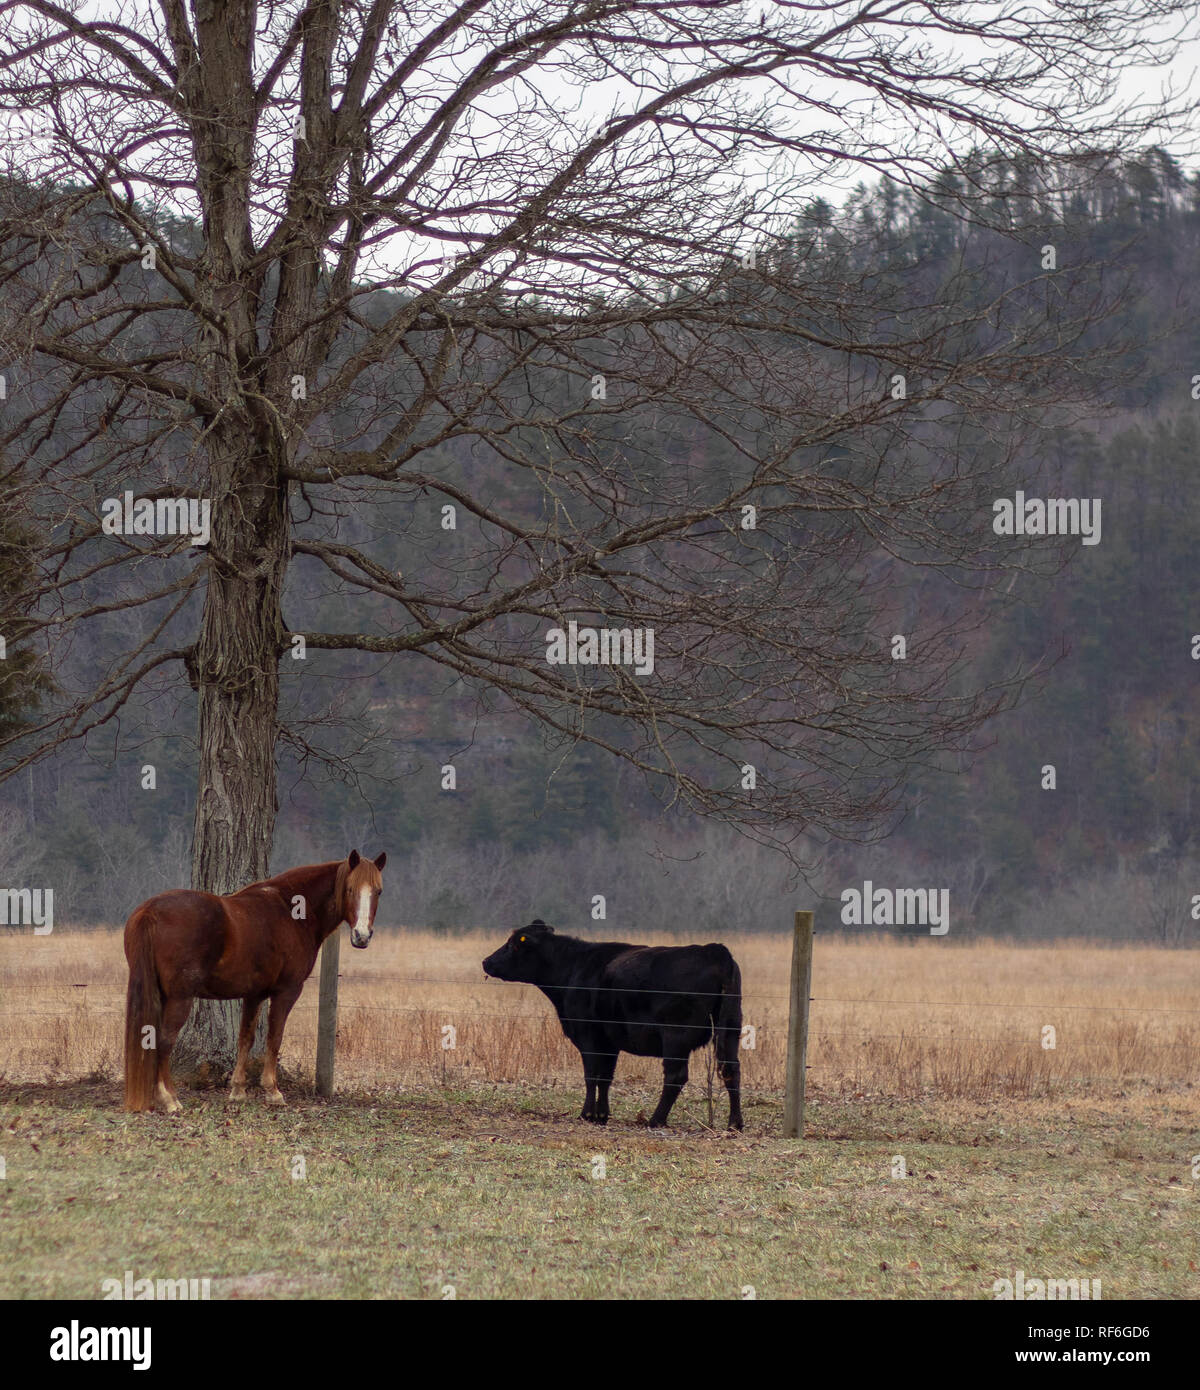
x: 305, y: 874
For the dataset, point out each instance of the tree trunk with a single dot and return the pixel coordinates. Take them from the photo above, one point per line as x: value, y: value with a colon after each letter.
x: 235, y: 668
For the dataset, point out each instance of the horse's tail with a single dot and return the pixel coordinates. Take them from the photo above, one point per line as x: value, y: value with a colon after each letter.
x: 143, y: 1009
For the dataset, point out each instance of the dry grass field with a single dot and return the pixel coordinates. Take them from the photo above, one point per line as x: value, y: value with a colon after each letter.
x: 903, y: 1019
x: 465, y: 1169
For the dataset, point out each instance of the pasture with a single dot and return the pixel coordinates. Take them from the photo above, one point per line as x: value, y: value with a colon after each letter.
x: 463, y: 1167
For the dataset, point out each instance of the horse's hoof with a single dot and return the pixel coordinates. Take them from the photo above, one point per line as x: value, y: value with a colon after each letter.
x: 274, y: 1098
x: 238, y: 1093
x: 173, y: 1106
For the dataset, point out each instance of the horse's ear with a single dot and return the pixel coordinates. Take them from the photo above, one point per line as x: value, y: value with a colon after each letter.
x: 352, y: 859
x: 381, y: 859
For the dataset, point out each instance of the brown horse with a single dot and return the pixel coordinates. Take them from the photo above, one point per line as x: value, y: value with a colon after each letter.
x: 258, y: 944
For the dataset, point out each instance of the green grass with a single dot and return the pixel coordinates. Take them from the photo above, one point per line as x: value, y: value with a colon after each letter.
x: 491, y: 1190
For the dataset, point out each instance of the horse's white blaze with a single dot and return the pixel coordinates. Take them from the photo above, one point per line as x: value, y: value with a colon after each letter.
x: 362, y: 926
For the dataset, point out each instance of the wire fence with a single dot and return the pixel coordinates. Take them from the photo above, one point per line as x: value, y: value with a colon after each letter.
x: 926, y: 1035
x: 375, y: 979
x: 1045, y: 1007
x: 426, y: 1010
x: 978, y: 1004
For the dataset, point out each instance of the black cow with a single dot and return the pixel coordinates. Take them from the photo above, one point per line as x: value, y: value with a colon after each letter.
x: 653, y: 1001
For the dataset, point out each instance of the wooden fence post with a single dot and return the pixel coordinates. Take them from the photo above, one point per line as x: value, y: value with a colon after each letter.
x: 797, y: 1045
x: 327, y: 1012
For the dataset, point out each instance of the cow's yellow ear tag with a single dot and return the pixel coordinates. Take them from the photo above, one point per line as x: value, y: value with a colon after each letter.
x: 522, y: 938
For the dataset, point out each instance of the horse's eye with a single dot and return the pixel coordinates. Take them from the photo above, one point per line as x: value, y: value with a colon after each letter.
x: 519, y: 942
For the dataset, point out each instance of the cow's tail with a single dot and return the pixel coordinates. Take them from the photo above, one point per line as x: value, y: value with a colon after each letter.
x: 727, y: 1013
x: 143, y: 1009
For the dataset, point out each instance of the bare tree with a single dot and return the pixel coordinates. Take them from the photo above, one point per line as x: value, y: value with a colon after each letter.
x: 325, y: 264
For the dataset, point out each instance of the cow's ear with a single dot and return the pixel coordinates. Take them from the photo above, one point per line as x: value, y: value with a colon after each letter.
x: 352, y: 859
x: 381, y: 859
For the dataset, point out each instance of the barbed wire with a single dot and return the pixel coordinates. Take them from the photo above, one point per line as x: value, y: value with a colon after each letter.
x: 1002, y: 1004
x: 867, y: 1037
x: 914, y: 1034
x: 372, y: 980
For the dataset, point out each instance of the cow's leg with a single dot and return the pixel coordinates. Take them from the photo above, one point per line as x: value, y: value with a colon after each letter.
x: 281, y: 1006
x: 731, y: 1075
x: 605, y: 1063
x: 675, y: 1075
x: 728, y: 1041
x: 250, y: 1008
x: 589, y: 1086
x: 174, y: 1016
